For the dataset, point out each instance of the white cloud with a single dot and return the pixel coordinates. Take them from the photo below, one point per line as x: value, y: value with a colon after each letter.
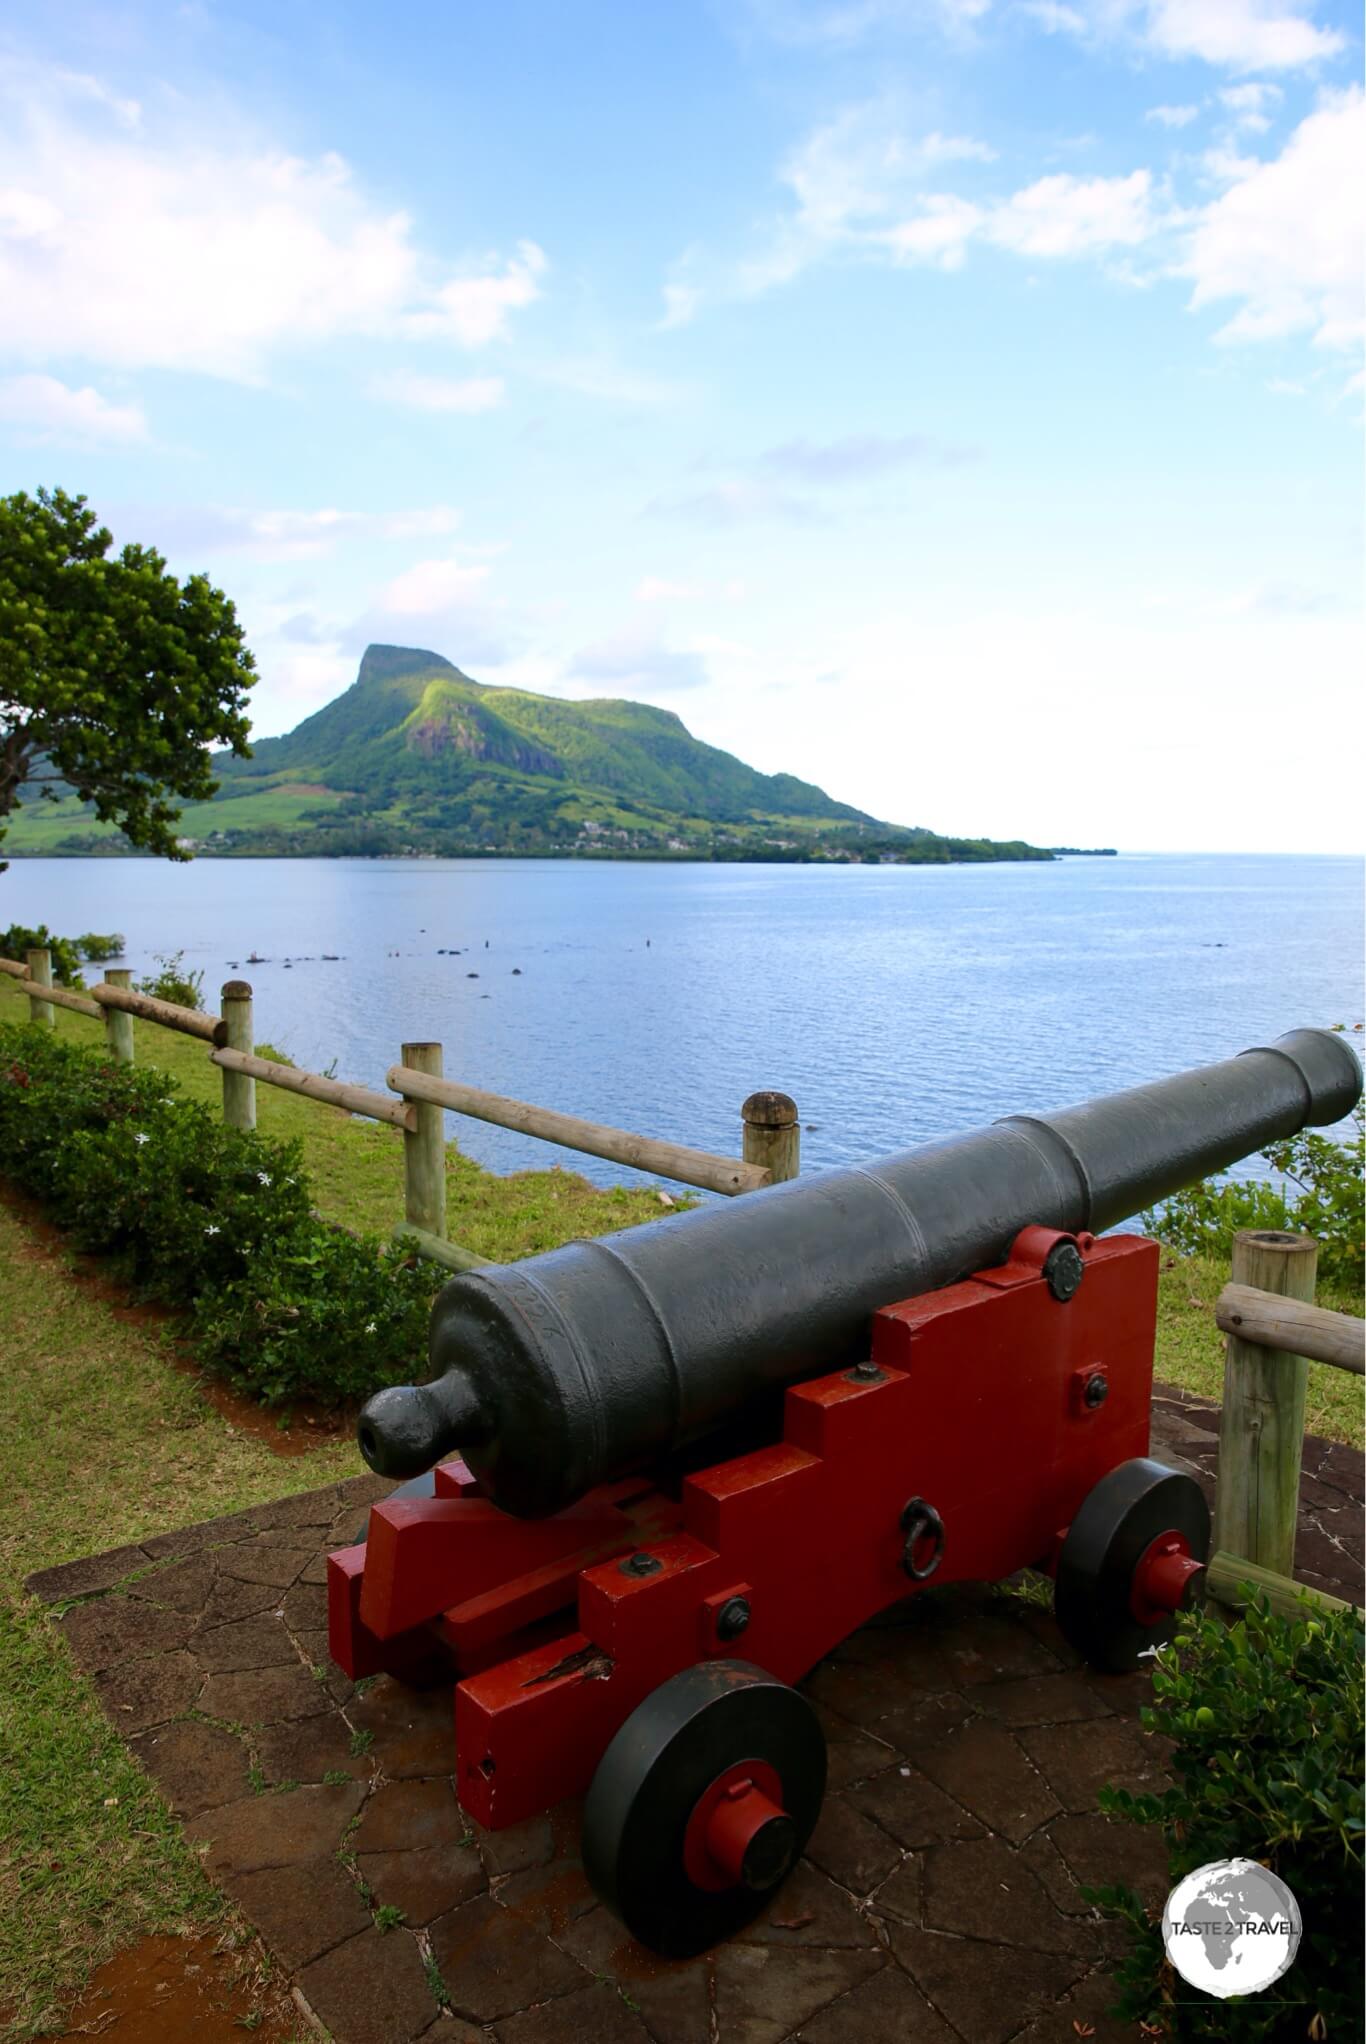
x: 429, y: 588
x: 474, y: 310
x: 440, y: 393
x: 861, y: 165
x: 1059, y: 218
x: 274, y: 535
x: 1238, y: 35
x: 1286, y: 238
x: 43, y: 409
x: 860, y: 185
x: 938, y: 233
x: 1071, y: 216
x: 207, y: 251
x: 1251, y: 105
x: 1245, y: 35
x: 1173, y: 116
x: 1054, y: 18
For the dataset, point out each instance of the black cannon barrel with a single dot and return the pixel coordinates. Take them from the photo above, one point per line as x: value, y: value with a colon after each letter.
x: 570, y: 1368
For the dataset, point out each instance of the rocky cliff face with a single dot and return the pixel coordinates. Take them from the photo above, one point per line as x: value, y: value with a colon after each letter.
x: 465, y: 730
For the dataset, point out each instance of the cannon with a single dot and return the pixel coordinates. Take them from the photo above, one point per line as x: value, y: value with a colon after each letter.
x: 659, y: 1475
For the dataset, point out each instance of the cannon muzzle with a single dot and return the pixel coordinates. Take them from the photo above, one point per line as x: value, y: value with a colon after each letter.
x: 568, y: 1369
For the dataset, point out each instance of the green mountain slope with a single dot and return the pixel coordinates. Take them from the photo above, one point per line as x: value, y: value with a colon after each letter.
x: 417, y: 757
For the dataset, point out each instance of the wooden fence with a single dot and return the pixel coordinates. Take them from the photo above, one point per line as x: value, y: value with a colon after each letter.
x: 417, y: 1102
x: 1273, y: 1330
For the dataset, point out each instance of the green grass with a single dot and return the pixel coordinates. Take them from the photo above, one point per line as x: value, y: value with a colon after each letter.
x: 41, y: 826
x: 1190, y: 1348
x: 104, y: 1442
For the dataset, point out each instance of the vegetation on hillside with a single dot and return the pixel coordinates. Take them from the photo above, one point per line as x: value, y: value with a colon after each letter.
x: 416, y: 757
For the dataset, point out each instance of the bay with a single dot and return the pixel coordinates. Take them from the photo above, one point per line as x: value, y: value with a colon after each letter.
x: 895, y: 1004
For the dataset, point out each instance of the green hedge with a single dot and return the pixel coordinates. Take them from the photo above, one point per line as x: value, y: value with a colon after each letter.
x: 213, y: 1221
x: 1266, y: 1722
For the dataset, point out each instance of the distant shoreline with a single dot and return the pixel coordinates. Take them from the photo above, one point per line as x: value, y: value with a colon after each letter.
x: 1042, y: 856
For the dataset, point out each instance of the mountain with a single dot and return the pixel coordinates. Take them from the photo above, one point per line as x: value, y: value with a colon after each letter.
x: 417, y: 757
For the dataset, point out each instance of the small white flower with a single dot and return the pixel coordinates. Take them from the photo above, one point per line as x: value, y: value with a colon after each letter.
x: 211, y: 1229
x: 264, y: 1177
x: 141, y: 1136
x: 371, y: 1328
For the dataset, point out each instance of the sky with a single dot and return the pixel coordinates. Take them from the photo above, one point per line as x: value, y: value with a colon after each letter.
x: 957, y: 403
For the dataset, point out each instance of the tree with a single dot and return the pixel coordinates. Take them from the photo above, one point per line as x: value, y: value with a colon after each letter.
x: 114, y: 676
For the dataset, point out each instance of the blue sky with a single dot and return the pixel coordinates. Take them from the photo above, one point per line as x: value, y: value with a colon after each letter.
x: 955, y: 402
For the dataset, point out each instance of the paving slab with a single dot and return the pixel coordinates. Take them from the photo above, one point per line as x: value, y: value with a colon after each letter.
x: 373, y: 1989
x: 940, y: 1898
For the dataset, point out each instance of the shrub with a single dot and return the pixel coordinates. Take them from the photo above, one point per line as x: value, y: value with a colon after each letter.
x: 66, y: 957
x: 173, y: 983
x: 213, y: 1220
x: 99, y: 950
x: 1266, y: 1720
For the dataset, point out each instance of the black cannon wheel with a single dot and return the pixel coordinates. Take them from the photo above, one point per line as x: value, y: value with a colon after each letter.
x: 1119, y: 1519
x: 713, y: 1735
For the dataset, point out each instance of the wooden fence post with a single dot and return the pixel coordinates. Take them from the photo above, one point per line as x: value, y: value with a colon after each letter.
x: 1261, y: 1430
x: 424, y: 1150
x: 772, y: 1134
x: 40, y: 969
x: 239, y: 1089
x: 118, y: 1023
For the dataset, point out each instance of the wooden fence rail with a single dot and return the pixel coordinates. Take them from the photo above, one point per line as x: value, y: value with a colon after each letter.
x: 770, y: 1130
x: 642, y: 1153
x: 187, y: 1021
x: 1272, y: 1326
x: 315, y: 1086
x: 64, y: 998
x: 1293, y: 1326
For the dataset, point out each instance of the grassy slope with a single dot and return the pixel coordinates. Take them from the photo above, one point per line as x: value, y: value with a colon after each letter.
x: 41, y: 826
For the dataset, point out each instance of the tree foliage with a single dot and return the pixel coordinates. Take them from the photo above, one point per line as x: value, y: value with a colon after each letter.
x: 114, y: 675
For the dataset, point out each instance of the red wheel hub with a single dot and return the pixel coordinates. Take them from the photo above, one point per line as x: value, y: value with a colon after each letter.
x: 1162, y: 1579
x: 739, y: 1834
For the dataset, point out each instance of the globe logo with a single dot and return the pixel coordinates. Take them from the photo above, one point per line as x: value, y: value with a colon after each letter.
x: 1231, y: 1927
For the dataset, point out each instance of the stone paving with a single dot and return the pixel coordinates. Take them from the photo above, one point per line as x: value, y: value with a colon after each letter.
x: 938, y: 1899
